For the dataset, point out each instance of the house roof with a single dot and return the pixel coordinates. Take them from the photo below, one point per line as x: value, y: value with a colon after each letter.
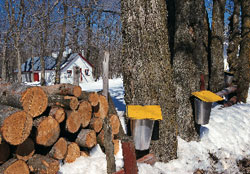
x: 50, y: 63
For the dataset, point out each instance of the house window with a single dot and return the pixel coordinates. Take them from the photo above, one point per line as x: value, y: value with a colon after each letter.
x: 87, y: 72
x: 69, y: 73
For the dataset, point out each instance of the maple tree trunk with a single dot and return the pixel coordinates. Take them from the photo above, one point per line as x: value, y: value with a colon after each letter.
x: 216, y: 82
x: 40, y: 164
x: 147, y: 71
x: 243, y: 73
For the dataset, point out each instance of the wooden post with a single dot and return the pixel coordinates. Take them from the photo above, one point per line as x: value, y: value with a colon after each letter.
x: 108, y: 144
x: 76, y: 75
x: 105, y: 75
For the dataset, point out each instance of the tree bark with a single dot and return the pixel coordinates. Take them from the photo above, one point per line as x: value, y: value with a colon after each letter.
x: 234, y: 38
x: 190, y: 61
x: 147, y: 71
x: 216, y: 82
x: 244, y: 62
x: 4, y: 58
x: 63, y: 36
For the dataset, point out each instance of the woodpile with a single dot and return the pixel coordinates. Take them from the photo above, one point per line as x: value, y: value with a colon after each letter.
x: 41, y: 125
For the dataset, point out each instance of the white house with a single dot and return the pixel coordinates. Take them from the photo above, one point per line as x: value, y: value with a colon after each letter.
x: 67, y: 69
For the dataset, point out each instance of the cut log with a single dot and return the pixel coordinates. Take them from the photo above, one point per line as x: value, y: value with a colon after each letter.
x: 73, y: 121
x: 4, y: 151
x: 25, y: 150
x: 16, y: 127
x: 59, y: 149
x: 103, y: 107
x: 58, y: 113
x: 61, y: 101
x: 74, y: 103
x: 73, y: 153
x: 40, y: 164
x: 47, y: 131
x: 63, y: 89
x: 34, y: 101
x: 14, y: 166
x: 96, y: 124
x: 85, y: 113
x: 94, y: 98
x: 114, y: 123
x: 116, y: 146
x: 11, y: 94
x: 86, y: 138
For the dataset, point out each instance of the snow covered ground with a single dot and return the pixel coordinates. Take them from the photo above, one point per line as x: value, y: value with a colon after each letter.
x: 224, y: 140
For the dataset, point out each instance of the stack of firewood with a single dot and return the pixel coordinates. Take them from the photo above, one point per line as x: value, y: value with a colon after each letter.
x: 41, y: 125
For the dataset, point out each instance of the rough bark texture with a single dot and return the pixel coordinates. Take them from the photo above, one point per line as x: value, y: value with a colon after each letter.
x: 43, y: 165
x: 189, y: 61
x: 147, y: 70
x: 234, y: 37
x: 216, y: 81
x: 244, y: 58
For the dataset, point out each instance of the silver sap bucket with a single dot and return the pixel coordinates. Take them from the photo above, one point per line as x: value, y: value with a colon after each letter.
x: 141, y: 131
x: 228, y: 79
x: 202, y: 111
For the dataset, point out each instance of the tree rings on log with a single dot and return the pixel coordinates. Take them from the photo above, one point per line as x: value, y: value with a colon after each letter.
x: 72, y: 153
x: 40, y: 164
x: 59, y: 149
x: 47, y: 131
x: 4, y: 152
x: 58, y: 113
x: 34, y: 101
x: 16, y: 127
x: 96, y: 124
x: 103, y: 107
x: 85, y: 113
x: 93, y: 98
x: 14, y: 166
x: 114, y: 123
x: 86, y: 138
x: 25, y: 150
x: 73, y: 121
x: 74, y: 103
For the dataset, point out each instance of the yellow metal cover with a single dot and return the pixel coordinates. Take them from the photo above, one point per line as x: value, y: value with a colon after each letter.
x: 152, y: 112
x: 207, y: 96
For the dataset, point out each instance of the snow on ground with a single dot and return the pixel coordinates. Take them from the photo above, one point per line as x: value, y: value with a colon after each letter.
x: 223, y: 141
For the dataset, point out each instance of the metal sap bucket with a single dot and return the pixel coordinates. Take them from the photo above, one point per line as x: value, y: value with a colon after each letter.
x: 141, y: 131
x: 202, y: 111
x: 228, y: 79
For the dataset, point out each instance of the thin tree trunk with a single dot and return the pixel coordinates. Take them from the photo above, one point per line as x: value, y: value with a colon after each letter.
x: 4, y: 58
x: 147, y: 70
x: 234, y: 37
x: 60, y: 56
x: 190, y: 61
x: 19, y: 62
x: 216, y: 82
x: 244, y: 64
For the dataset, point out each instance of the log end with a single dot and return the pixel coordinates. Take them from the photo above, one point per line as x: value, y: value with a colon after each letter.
x: 25, y: 150
x: 77, y: 91
x: 73, y: 153
x: 94, y: 98
x: 18, y: 166
x: 4, y: 151
x: 85, y: 113
x: 59, y: 149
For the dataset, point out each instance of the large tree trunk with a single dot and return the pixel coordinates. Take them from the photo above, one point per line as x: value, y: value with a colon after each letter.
x: 234, y: 37
x: 244, y: 58
x: 147, y: 70
x: 216, y: 82
x: 190, y: 61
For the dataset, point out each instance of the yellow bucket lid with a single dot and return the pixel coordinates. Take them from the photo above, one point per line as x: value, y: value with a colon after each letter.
x: 207, y: 96
x: 152, y: 112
